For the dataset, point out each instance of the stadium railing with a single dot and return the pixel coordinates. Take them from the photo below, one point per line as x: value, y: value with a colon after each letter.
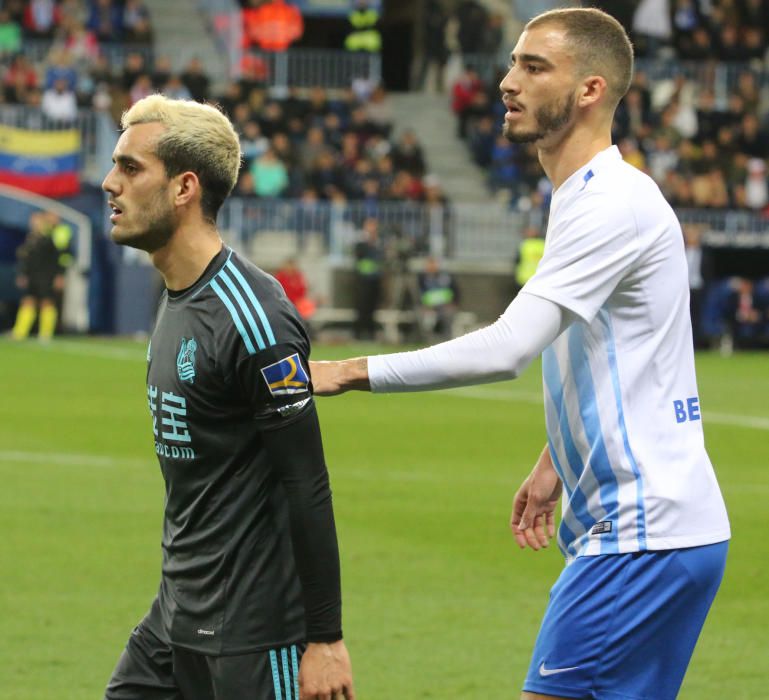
x: 462, y: 231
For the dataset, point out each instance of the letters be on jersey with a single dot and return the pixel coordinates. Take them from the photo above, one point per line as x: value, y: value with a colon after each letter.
x: 287, y: 376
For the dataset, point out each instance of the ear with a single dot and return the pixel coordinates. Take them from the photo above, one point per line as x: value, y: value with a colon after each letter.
x: 592, y: 91
x: 187, y: 188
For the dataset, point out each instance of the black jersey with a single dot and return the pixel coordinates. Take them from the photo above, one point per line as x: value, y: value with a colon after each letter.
x: 227, y: 376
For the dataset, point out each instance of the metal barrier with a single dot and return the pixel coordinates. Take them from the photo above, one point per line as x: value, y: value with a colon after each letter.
x: 461, y: 231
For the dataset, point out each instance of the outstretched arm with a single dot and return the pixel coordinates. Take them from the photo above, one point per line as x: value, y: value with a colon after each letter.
x: 499, y: 351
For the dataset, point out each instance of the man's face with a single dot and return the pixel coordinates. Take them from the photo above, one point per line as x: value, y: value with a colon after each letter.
x: 539, y: 89
x: 140, y: 193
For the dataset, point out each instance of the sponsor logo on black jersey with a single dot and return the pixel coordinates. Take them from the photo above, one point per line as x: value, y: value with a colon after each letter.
x: 287, y: 376
x: 185, y: 360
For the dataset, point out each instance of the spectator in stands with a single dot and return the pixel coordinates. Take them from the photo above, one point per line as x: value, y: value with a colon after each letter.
x: 136, y: 22
x: 10, y: 35
x: 464, y: 91
x: 472, y: 19
x: 696, y: 267
x: 133, y: 66
x: 161, y: 71
x: 429, y: 71
x: 530, y: 251
x: 80, y: 43
x: 60, y: 102
x: 19, y: 80
x: 141, y: 88
x: 652, y: 30
x: 196, y: 80
x: 253, y: 144
x: 41, y: 17
x: 363, y: 34
x: 105, y: 20
x: 368, y: 279
x: 756, y: 186
x: 294, y: 284
x: 174, y: 88
x: 438, y: 301
x: 60, y: 67
x: 379, y: 112
x: 270, y: 175
x: 272, y: 25
x: 407, y: 154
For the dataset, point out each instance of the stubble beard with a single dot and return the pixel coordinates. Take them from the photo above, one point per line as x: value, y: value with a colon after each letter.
x: 160, y: 226
x: 550, y: 118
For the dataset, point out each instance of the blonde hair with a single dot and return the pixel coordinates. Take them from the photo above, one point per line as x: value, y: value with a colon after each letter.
x: 198, y: 138
x: 600, y: 45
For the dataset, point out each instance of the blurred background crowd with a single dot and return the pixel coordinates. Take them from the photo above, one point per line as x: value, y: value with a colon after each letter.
x: 696, y: 119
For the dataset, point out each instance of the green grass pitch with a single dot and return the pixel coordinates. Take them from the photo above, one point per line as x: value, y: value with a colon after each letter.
x: 438, y: 602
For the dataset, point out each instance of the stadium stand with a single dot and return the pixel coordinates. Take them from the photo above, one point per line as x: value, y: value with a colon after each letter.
x: 325, y: 145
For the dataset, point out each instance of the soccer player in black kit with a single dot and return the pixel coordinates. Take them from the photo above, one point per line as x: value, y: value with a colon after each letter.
x: 249, y: 605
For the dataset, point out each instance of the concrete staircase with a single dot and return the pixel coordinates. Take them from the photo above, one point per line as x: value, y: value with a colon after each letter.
x: 435, y: 125
x: 182, y: 35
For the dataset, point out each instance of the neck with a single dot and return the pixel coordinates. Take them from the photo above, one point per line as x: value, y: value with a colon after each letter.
x: 578, y: 147
x: 186, y: 255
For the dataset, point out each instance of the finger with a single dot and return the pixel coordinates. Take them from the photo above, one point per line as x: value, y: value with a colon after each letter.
x: 551, y: 524
x: 539, y: 531
x: 531, y: 539
x: 520, y: 538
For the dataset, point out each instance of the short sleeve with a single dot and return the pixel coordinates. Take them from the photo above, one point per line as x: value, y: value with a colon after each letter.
x: 590, y: 248
x: 275, y: 383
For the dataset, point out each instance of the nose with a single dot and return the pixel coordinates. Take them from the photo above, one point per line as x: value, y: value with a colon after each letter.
x: 108, y: 185
x: 509, y: 84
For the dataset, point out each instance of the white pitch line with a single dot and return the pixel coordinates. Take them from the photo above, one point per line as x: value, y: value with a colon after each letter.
x: 533, y: 397
x: 72, y: 460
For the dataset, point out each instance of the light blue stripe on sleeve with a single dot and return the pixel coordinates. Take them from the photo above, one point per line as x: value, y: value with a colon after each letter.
x: 599, y: 457
x: 612, y: 352
x: 252, y: 298
x: 295, y: 669
x: 244, y: 308
x: 235, y: 317
x: 286, y: 677
x: 276, y: 675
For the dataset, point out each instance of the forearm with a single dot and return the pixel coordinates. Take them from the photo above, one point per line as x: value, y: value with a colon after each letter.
x: 498, y: 352
x: 297, y: 453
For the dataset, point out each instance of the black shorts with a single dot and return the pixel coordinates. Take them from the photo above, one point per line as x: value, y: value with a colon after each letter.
x: 40, y: 286
x: 150, y: 669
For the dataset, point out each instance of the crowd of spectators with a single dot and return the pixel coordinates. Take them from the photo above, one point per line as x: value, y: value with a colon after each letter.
x: 702, y: 132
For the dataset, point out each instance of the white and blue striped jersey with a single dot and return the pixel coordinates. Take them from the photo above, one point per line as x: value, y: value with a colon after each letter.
x: 621, y: 402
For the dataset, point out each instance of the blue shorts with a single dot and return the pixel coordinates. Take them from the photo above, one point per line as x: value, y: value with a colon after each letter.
x: 624, y: 626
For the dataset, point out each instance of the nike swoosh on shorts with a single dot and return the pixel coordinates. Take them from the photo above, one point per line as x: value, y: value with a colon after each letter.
x: 552, y: 671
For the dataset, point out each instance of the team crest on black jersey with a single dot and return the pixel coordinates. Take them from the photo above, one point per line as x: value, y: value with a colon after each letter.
x: 185, y: 360
x: 287, y: 376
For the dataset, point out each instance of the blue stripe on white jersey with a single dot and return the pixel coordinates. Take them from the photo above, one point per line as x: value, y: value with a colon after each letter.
x: 589, y: 442
x: 605, y: 318
x: 577, y: 517
x: 591, y: 425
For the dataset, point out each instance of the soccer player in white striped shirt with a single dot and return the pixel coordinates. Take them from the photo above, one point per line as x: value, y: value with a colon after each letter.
x: 644, y: 529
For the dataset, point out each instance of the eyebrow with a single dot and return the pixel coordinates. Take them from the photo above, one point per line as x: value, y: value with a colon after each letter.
x: 125, y: 160
x: 530, y: 58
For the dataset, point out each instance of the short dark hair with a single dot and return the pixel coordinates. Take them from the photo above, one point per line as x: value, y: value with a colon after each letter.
x: 600, y: 44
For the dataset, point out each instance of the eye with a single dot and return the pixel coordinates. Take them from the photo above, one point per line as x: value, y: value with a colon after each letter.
x: 530, y: 68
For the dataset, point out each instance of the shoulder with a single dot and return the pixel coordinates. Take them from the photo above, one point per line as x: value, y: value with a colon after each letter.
x: 255, y: 304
